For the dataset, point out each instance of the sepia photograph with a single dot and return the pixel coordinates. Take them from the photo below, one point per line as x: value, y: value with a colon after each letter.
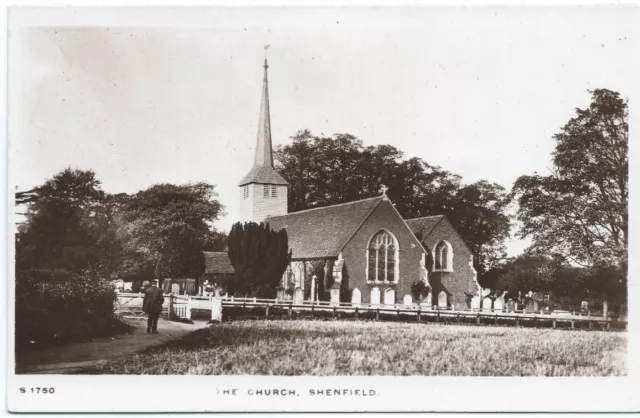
x: 323, y: 192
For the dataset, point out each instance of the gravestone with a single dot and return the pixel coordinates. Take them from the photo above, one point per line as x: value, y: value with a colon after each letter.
x: 175, y: 288
x: 498, y: 304
x: 530, y: 305
x: 356, y: 297
x: 584, y: 306
x: 485, y: 292
x: 298, y: 296
x: 216, y: 309
x: 429, y: 300
x: 375, y: 296
x: 487, y: 304
x: 335, y: 296
x: 511, y: 305
x: 389, y: 297
x: 442, y: 299
x: 314, y: 279
x: 407, y: 300
x: 475, y: 302
x: 280, y: 294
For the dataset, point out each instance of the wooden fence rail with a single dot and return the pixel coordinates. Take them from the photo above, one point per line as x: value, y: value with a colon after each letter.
x: 181, y: 306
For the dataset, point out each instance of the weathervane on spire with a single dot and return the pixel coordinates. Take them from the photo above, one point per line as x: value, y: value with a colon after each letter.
x: 266, y: 46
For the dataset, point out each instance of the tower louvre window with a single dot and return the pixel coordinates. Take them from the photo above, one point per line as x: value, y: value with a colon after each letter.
x: 274, y: 192
x: 266, y: 191
x: 246, y: 192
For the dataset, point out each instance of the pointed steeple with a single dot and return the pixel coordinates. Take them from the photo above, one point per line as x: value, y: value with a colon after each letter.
x: 264, y: 155
x: 263, y: 171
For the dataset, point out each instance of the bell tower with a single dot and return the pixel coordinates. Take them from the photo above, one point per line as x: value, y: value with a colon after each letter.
x: 263, y: 192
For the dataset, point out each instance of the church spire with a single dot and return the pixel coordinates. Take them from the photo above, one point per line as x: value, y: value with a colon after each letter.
x: 264, y: 156
x: 262, y: 171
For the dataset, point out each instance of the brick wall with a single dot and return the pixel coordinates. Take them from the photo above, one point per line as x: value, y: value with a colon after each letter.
x: 355, y: 254
x: 459, y: 282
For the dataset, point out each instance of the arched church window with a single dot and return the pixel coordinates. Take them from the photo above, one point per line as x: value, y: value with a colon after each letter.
x: 443, y: 257
x: 382, y: 256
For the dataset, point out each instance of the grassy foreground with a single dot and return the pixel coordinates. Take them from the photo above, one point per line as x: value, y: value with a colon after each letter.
x: 329, y: 348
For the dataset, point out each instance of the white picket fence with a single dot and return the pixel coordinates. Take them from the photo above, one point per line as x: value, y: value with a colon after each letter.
x: 183, y: 306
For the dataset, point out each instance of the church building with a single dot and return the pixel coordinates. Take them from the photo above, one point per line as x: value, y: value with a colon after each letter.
x: 358, y: 252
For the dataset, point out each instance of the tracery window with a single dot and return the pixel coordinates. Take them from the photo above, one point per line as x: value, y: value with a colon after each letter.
x: 383, y: 258
x: 443, y: 257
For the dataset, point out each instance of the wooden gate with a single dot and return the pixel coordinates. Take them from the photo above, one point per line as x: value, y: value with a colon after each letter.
x: 129, y: 305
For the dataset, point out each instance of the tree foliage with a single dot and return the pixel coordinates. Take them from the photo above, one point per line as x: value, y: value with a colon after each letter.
x: 259, y: 256
x: 323, y: 171
x: 166, y: 227
x: 66, y: 227
x: 579, y: 211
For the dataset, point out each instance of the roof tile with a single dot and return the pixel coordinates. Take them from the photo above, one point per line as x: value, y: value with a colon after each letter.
x: 323, y: 232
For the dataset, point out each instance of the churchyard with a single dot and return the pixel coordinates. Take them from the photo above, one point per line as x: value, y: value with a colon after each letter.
x: 335, y: 348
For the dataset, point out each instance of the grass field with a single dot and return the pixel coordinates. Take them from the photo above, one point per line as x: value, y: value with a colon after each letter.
x: 330, y: 348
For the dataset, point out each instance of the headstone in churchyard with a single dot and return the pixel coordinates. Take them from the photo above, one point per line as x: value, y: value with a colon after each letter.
x: 175, y: 288
x: 487, y: 304
x: 429, y: 300
x: 485, y: 292
x: 407, y: 300
x: 280, y: 294
x: 390, y: 297
x: 216, y: 309
x: 298, y: 296
x: 475, y: 302
x: 498, y: 304
x: 335, y: 296
x: 375, y: 296
x: 530, y: 305
x: 584, y: 306
x: 511, y: 305
x: 442, y: 299
x: 356, y: 297
x: 314, y: 279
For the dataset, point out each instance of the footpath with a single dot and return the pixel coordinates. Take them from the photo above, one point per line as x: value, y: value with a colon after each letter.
x: 76, y: 357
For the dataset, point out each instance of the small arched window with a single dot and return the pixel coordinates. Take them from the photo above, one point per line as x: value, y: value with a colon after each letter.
x: 443, y: 257
x: 382, y: 258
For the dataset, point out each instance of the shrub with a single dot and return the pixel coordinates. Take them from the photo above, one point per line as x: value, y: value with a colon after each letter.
x: 57, y: 306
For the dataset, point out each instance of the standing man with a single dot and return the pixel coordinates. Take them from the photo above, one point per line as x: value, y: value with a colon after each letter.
x: 152, y: 306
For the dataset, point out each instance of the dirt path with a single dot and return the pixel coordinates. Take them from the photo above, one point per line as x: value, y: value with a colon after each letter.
x: 73, y: 358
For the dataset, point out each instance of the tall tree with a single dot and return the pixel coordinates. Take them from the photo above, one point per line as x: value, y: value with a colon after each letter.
x: 323, y: 171
x: 259, y: 256
x: 579, y: 211
x: 165, y: 228
x: 65, y: 226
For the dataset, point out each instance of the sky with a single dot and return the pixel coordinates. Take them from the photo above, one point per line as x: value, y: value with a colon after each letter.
x: 146, y: 96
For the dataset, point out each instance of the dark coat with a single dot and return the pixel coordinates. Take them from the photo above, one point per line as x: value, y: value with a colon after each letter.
x: 153, y: 300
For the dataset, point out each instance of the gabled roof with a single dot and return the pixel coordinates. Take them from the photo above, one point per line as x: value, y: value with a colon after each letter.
x: 332, y: 225
x: 217, y: 263
x: 264, y: 175
x: 422, y: 227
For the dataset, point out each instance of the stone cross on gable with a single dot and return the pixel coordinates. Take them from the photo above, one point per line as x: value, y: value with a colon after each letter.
x: 383, y: 190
